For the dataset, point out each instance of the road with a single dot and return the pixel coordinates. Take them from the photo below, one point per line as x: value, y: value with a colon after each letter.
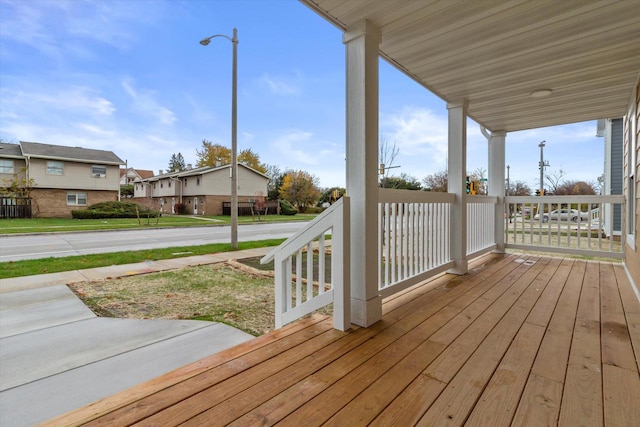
x: 16, y: 248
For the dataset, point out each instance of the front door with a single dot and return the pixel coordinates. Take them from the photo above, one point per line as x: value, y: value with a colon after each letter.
x: 195, y: 206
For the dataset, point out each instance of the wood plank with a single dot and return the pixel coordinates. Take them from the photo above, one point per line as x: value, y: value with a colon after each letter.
x: 132, y: 395
x: 189, y: 404
x: 368, y: 404
x: 582, y: 396
x: 615, y: 339
x: 543, y: 310
x: 455, y: 403
x: 267, y: 361
x: 409, y: 406
x: 445, y: 367
x: 274, y: 409
x: 621, y: 397
x: 589, y: 307
x: 540, y: 403
x: 553, y: 355
x: 499, y: 400
x: 252, y: 396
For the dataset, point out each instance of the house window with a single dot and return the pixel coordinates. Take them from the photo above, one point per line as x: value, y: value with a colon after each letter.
x: 162, y: 185
x: 76, y: 199
x: 55, y: 168
x: 185, y: 182
x: 198, y: 181
x: 169, y: 184
x: 6, y: 166
x: 98, y: 171
x: 154, y: 185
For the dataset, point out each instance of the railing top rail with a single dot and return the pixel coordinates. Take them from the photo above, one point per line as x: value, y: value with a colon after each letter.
x: 482, y: 199
x: 565, y: 199
x: 293, y: 240
x: 389, y: 195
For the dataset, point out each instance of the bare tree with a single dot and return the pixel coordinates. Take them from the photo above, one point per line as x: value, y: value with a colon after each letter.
x: 437, y: 182
x: 479, y: 175
x: 387, y: 155
x: 555, y: 180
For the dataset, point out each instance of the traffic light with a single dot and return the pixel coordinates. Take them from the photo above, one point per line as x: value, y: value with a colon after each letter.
x: 381, y: 170
x: 537, y: 192
x: 473, y: 189
x: 468, y: 186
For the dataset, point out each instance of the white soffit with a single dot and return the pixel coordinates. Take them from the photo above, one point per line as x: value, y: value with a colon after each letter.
x: 497, y: 54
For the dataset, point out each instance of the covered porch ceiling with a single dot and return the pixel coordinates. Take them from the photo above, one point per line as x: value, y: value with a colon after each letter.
x: 497, y: 54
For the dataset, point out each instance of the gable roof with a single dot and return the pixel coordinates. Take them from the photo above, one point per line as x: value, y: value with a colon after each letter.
x: 142, y: 173
x: 201, y: 171
x: 60, y: 152
x: 498, y: 54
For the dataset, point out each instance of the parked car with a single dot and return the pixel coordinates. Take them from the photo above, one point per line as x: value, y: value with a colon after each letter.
x: 563, y: 215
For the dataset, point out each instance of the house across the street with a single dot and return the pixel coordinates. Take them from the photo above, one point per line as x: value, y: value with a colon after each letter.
x: 59, y: 179
x: 203, y: 191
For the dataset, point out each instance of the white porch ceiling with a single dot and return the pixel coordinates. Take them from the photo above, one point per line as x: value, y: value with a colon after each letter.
x: 496, y: 53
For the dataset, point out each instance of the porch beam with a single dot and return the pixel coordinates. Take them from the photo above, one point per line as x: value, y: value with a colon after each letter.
x: 362, y: 41
x: 457, y: 176
x: 496, y: 145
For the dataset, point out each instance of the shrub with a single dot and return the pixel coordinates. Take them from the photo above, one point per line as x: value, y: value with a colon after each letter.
x: 180, y: 208
x: 113, y: 210
x: 287, y: 208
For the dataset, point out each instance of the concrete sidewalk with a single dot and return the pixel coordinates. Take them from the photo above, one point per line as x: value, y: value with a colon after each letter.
x: 56, y: 355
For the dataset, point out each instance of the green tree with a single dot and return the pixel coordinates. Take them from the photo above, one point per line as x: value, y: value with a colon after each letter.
x: 276, y: 177
x: 328, y: 194
x: 403, y: 182
x: 300, y: 188
x: 213, y: 154
x: 250, y: 158
x: 176, y: 163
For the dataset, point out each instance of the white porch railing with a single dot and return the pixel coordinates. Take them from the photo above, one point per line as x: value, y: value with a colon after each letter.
x: 302, y: 290
x: 565, y: 224
x: 413, y: 239
x: 480, y: 224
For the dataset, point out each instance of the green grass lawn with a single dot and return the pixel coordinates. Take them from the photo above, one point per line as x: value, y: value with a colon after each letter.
x: 48, y: 225
x: 55, y: 265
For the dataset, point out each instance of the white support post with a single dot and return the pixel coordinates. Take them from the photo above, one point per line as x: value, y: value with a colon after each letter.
x: 362, y: 42
x: 497, y: 184
x: 457, y: 175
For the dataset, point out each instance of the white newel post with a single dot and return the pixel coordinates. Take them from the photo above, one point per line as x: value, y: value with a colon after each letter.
x: 362, y: 42
x: 457, y: 176
x: 497, y: 184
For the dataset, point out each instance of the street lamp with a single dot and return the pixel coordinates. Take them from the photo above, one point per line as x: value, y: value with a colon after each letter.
x: 234, y: 134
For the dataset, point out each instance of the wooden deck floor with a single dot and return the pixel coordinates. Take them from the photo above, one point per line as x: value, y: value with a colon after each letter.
x: 520, y: 340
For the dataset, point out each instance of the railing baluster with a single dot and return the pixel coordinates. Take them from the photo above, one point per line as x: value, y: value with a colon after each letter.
x: 299, y: 278
x: 321, y: 265
x: 309, y: 271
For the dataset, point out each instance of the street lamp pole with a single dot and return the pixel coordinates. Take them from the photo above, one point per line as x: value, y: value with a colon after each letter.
x: 542, y: 165
x: 234, y: 134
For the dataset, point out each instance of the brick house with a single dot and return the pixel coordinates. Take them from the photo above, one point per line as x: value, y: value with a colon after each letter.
x: 203, y: 190
x: 61, y: 178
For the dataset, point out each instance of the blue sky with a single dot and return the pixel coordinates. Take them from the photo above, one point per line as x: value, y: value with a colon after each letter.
x: 130, y: 76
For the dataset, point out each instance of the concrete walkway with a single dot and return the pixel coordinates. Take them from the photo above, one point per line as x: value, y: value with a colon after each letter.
x: 56, y: 355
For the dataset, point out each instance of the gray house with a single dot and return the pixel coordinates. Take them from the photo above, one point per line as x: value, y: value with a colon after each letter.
x: 60, y: 179
x: 203, y: 191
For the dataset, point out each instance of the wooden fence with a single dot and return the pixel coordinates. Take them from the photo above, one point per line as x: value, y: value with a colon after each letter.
x: 15, y: 207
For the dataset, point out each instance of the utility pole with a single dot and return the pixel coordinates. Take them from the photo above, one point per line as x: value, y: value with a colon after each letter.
x: 542, y: 165
x: 508, y: 186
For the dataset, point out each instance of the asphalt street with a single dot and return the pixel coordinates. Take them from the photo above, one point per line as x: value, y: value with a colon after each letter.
x: 15, y: 248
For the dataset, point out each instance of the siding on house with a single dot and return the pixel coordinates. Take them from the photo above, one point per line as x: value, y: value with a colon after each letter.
x: 63, y: 178
x: 617, y: 162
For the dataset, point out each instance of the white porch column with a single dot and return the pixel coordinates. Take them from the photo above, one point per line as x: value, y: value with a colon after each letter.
x: 497, y: 184
x: 362, y: 41
x: 457, y: 177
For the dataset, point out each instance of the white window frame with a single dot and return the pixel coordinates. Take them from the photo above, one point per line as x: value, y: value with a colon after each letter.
x: 55, y: 167
x: 7, y: 166
x: 76, y: 199
x: 99, y: 171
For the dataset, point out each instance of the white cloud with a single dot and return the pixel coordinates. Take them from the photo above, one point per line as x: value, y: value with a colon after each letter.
x: 280, y: 86
x: 144, y: 103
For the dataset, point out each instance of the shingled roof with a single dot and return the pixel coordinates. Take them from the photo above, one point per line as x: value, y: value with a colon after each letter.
x: 60, y: 152
x: 10, y: 150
